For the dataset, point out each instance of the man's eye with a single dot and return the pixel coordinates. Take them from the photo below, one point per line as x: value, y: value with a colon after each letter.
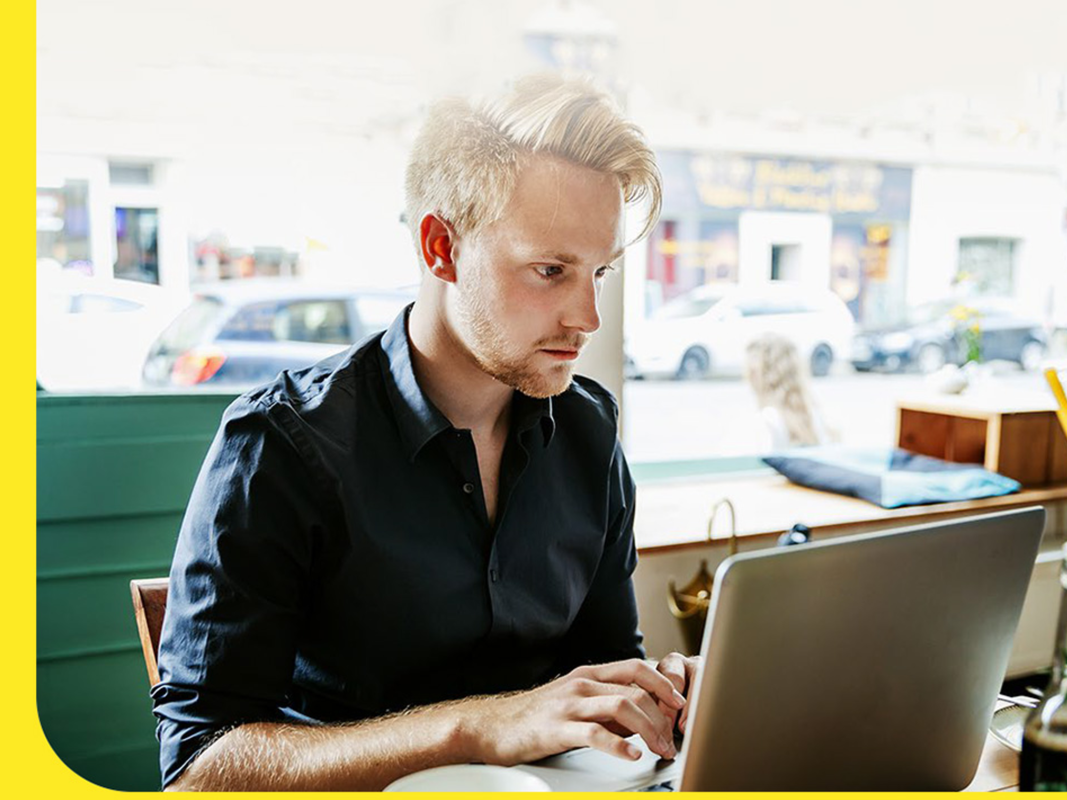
x: 600, y: 273
x: 549, y: 271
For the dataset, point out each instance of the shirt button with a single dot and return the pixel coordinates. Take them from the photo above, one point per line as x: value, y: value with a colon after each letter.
x: 468, y: 488
x: 493, y: 575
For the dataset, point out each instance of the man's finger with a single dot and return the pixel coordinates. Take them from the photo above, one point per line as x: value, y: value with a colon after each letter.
x: 692, y: 664
x: 638, y: 672
x: 627, y: 712
x: 661, y: 715
x: 673, y: 666
x: 592, y: 734
x: 692, y: 667
x: 671, y: 714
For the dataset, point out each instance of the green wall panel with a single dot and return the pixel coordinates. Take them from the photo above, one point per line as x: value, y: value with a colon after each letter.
x: 132, y: 770
x: 108, y: 478
x: 95, y: 704
x: 74, y: 418
x: 113, y: 477
x: 109, y: 544
x: 85, y: 615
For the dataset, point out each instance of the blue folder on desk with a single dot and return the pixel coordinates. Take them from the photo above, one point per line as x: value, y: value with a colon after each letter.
x: 888, y: 477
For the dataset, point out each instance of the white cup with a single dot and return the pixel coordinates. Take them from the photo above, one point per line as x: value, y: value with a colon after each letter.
x: 469, y: 778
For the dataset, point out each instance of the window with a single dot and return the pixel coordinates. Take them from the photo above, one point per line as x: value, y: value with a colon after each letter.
x: 320, y: 321
x: 130, y: 174
x: 188, y: 327
x: 821, y: 252
x: 689, y: 305
x: 251, y: 323
x: 136, y: 244
x: 102, y: 304
x: 987, y: 266
x: 63, y: 226
x: 785, y: 262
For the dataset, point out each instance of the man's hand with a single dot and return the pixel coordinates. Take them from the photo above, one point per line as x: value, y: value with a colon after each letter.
x: 681, y: 671
x: 593, y: 706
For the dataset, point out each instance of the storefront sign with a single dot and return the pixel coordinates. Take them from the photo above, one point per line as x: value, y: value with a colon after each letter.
x: 696, y: 182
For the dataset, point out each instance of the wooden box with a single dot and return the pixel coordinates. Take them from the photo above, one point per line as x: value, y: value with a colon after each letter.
x: 1019, y: 437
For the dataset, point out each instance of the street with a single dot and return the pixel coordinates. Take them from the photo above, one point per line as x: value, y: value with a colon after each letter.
x: 671, y: 420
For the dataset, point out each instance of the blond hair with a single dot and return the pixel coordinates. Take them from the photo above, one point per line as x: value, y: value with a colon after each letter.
x: 466, y: 159
x: 775, y: 372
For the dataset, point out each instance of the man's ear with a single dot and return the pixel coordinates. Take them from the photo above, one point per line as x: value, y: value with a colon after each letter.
x: 438, y: 244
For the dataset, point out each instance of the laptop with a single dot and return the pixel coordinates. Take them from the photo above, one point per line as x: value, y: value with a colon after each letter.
x: 867, y: 662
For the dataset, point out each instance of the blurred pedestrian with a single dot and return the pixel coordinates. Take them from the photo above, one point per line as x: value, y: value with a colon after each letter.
x: 779, y: 380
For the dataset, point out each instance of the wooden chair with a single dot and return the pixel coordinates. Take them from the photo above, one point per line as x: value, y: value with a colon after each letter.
x: 149, y: 605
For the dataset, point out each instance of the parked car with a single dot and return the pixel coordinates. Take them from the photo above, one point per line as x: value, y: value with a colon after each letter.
x: 240, y: 333
x: 705, y: 332
x: 930, y: 337
x: 93, y: 333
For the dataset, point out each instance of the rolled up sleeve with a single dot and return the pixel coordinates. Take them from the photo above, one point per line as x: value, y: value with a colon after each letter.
x: 238, y: 585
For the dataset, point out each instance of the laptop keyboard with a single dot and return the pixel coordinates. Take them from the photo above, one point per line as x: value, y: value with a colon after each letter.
x: 659, y: 787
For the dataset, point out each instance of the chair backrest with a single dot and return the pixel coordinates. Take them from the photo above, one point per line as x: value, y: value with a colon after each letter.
x: 149, y: 606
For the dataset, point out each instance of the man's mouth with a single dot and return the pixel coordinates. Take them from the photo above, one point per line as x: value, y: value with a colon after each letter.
x: 563, y: 353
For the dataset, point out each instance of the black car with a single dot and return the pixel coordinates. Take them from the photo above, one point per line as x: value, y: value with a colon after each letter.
x: 934, y: 335
x: 241, y: 333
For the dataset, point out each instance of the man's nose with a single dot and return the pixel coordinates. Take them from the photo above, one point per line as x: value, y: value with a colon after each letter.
x: 583, y: 309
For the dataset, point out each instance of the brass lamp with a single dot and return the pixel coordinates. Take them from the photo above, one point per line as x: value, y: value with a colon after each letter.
x: 689, y: 605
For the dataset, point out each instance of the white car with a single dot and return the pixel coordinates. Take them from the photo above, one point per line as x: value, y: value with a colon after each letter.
x: 705, y: 332
x: 93, y: 333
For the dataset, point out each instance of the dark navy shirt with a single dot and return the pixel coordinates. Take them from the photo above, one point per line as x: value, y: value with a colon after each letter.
x: 336, y: 561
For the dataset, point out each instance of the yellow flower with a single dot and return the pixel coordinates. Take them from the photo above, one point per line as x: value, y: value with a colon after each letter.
x: 962, y: 313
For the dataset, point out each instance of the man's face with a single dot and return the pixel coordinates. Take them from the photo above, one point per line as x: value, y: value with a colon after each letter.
x: 528, y: 285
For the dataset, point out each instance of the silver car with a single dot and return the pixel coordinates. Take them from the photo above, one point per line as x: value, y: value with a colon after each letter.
x: 242, y: 333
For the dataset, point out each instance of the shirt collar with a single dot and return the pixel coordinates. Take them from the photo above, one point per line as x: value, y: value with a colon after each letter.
x: 419, y: 419
x: 528, y: 411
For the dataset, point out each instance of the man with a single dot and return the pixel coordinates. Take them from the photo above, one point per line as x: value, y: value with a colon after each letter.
x: 386, y: 551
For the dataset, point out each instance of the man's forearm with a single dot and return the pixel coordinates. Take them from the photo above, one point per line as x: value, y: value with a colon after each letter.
x: 591, y: 706
x: 273, y: 756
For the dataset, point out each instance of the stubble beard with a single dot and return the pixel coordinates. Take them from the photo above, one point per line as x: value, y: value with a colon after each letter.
x: 491, y: 353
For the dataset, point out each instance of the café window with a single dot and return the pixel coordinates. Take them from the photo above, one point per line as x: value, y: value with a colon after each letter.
x: 763, y: 250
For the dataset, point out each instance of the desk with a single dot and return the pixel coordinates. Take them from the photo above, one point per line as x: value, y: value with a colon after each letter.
x: 998, y: 770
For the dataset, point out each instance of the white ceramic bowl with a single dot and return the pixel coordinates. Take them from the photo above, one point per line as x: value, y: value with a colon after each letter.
x: 469, y: 778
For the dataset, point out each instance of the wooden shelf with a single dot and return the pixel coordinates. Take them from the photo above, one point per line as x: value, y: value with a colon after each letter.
x: 1017, y: 436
